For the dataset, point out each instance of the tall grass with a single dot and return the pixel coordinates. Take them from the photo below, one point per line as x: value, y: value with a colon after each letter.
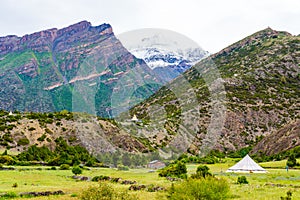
x: 197, y: 189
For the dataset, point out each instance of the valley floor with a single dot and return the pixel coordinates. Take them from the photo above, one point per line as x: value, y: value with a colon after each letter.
x: 271, y: 185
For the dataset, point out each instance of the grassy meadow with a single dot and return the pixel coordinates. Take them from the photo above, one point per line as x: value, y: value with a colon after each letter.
x: 271, y: 185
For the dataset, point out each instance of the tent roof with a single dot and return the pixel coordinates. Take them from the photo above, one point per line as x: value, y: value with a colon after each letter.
x: 134, y: 118
x: 246, y: 165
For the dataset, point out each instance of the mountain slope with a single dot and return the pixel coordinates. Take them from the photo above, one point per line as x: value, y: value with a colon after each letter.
x: 65, y: 68
x: 229, y: 100
x: 282, y: 140
x: 19, y: 131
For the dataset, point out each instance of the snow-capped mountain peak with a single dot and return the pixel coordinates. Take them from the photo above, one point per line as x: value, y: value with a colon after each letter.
x: 166, y: 52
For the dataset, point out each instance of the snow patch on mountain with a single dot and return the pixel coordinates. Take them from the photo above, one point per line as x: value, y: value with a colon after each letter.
x: 166, y: 52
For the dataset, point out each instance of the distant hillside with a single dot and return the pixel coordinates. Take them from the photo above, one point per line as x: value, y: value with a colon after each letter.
x: 19, y: 131
x: 256, y: 80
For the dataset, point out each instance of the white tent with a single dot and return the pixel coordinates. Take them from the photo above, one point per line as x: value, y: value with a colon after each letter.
x: 246, y: 165
x: 134, y: 118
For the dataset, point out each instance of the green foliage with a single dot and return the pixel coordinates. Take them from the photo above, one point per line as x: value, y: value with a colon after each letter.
x: 5, y: 153
x: 123, y: 168
x: 64, y: 167
x: 9, y: 195
x: 70, y: 154
x: 126, y: 160
x: 31, y: 129
x: 23, y: 142
x: 202, y: 172
x: 42, y: 138
x: 260, y: 157
x: 100, y: 178
x: 35, y: 153
x: 91, y: 162
x: 105, y: 192
x: 242, y: 180
x: 15, y: 185
x: 177, y: 169
x: 76, y: 170
x: 8, y: 160
x: 211, y: 158
x: 7, y: 137
x: 209, y: 188
x: 291, y: 162
x: 288, y: 196
x: 240, y: 153
x: 47, y: 130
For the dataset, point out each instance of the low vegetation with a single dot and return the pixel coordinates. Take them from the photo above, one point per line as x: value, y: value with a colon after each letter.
x: 242, y: 180
x: 205, y: 188
x: 105, y: 191
x: 176, y: 169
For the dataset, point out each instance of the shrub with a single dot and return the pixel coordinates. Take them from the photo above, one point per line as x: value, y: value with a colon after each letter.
x: 23, y: 141
x: 202, y: 172
x: 9, y: 195
x: 177, y: 169
x: 15, y: 185
x: 242, y: 180
x: 208, y: 188
x: 291, y: 162
x: 76, y: 170
x: 7, y: 137
x: 8, y: 160
x: 64, y: 167
x: 123, y: 168
x: 42, y: 138
x: 47, y: 130
x: 100, y: 178
x: 90, y: 162
x: 288, y: 196
x: 105, y: 192
x: 31, y: 129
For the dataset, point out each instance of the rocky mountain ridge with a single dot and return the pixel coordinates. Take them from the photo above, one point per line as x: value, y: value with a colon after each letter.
x: 55, y: 69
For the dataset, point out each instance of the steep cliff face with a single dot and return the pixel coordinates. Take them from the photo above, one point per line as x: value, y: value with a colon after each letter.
x: 252, y: 91
x: 44, y: 71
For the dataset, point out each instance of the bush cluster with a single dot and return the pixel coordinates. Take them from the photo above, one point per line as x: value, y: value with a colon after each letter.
x: 104, y: 191
x: 176, y: 169
x: 242, y: 180
x: 205, y: 188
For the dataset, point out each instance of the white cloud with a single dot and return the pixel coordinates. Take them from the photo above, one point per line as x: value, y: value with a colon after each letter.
x: 214, y: 24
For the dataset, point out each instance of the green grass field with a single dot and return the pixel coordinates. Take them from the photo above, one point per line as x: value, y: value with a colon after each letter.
x: 271, y: 185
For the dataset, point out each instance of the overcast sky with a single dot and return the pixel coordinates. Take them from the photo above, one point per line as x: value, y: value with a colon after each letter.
x: 213, y: 24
